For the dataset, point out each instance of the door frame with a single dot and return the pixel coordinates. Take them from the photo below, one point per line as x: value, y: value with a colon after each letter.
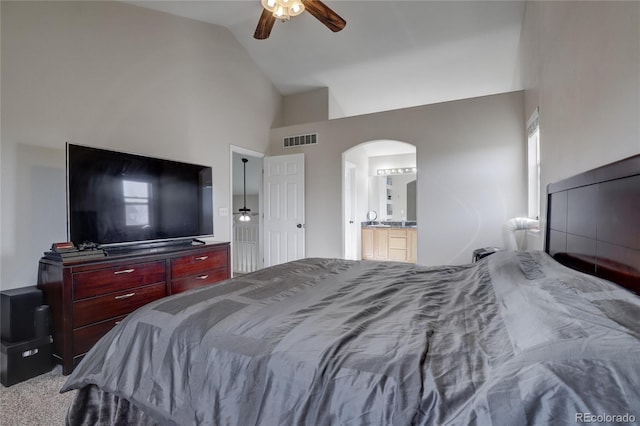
x: 234, y: 149
x: 349, y: 205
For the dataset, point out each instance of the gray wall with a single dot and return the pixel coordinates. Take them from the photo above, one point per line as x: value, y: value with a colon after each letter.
x: 122, y: 77
x: 471, y: 177
x: 305, y: 107
x: 580, y: 63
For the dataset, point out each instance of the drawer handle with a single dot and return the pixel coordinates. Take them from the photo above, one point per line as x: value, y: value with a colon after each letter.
x: 202, y: 258
x: 125, y: 296
x: 124, y: 271
x: 202, y: 277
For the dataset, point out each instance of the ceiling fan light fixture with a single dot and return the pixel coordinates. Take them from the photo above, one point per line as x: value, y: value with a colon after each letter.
x: 244, y: 217
x: 281, y: 13
x: 270, y: 5
x: 296, y: 8
x: 283, y: 9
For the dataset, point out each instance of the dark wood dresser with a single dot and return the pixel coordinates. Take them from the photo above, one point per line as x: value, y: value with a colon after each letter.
x: 89, y: 297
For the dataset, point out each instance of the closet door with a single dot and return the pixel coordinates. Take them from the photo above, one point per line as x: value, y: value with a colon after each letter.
x: 284, y: 232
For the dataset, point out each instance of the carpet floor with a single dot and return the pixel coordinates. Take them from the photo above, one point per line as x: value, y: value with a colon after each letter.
x: 35, y: 402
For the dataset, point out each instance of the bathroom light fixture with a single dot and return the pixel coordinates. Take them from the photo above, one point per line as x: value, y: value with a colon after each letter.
x: 244, y: 211
x: 397, y: 171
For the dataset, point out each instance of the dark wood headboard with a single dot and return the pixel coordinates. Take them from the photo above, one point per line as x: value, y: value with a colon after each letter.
x: 593, y: 222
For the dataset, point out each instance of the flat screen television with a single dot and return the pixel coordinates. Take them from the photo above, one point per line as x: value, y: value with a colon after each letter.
x: 115, y: 198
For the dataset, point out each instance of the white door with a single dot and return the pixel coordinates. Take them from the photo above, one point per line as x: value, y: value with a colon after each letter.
x: 284, y: 233
x: 349, y: 202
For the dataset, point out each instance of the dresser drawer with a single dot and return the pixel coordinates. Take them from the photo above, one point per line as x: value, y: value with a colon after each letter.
x: 193, y: 281
x: 100, y: 308
x: 196, y: 264
x: 84, y: 338
x: 103, y: 281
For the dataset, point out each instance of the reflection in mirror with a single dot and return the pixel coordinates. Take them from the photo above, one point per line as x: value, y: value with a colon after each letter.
x: 393, y: 196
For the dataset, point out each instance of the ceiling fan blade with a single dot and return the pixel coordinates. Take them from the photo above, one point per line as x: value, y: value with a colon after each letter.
x: 265, y: 24
x: 324, y: 14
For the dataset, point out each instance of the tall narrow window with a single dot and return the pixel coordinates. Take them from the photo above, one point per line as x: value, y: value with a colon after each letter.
x: 533, y: 165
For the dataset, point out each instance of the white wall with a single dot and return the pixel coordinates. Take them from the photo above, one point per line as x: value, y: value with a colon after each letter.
x: 580, y: 62
x: 471, y: 177
x: 117, y: 76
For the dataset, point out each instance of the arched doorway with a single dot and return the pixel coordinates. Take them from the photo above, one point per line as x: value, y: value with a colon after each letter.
x: 362, y: 188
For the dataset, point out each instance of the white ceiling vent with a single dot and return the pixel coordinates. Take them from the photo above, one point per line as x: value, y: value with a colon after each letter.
x: 299, y: 140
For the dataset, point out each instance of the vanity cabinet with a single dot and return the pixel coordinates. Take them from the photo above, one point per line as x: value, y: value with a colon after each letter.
x: 392, y: 244
x: 412, y: 245
x: 381, y: 244
x: 375, y: 244
x: 367, y: 243
x: 89, y: 297
x: 397, y: 245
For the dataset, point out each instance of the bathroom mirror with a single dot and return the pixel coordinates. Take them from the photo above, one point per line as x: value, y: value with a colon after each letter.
x: 393, y: 196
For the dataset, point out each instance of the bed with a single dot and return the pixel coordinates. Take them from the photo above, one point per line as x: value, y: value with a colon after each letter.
x: 517, y: 338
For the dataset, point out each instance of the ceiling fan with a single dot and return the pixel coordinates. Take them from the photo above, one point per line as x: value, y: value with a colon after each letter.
x: 284, y: 9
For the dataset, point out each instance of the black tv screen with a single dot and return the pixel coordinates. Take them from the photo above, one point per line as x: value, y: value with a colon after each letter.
x: 117, y: 198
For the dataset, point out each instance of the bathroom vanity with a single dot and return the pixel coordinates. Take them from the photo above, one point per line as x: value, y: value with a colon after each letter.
x: 391, y: 241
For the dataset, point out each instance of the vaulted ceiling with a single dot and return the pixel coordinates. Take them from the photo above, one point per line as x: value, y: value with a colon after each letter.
x: 391, y: 55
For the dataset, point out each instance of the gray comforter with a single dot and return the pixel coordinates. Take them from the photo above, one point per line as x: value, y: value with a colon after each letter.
x: 513, y: 339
